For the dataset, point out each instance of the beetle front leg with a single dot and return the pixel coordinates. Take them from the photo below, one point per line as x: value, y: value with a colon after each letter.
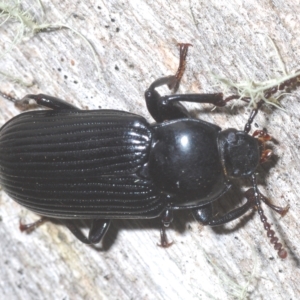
x: 205, y: 214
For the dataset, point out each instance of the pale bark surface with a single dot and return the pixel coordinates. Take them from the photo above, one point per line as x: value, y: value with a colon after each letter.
x: 135, y: 43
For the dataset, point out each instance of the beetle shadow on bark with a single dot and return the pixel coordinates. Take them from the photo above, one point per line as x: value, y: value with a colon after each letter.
x: 232, y: 199
x: 118, y: 225
x: 208, y: 109
x: 143, y: 224
x: 232, y: 110
x: 290, y: 247
x: 182, y: 219
x: 84, y: 226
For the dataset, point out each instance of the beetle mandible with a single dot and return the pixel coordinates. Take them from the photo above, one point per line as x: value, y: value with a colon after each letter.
x: 68, y: 163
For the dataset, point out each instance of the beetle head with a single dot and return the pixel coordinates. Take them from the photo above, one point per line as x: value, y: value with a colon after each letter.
x: 240, y: 152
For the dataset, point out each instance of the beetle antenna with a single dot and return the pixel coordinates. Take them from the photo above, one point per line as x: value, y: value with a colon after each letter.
x: 252, y: 116
x: 282, y: 253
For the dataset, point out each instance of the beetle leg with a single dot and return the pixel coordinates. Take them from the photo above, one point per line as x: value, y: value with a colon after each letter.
x: 43, y: 100
x: 68, y: 223
x: 183, y: 50
x: 153, y: 98
x: 40, y: 99
x: 31, y: 226
x: 167, y: 218
x: 205, y: 215
x: 164, y: 243
x: 98, y: 229
x: 76, y: 231
x: 280, y: 210
x: 169, y: 108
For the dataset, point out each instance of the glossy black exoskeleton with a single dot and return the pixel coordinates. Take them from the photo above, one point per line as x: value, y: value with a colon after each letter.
x: 71, y: 164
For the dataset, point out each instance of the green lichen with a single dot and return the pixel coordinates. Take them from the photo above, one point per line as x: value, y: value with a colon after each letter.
x: 26, y: 26
x: 255, y: 91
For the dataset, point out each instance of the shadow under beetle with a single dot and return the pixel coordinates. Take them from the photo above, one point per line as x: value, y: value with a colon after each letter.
x: 68, y: 163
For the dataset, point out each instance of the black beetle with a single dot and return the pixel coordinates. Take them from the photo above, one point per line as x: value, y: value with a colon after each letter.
x: 71, y: 164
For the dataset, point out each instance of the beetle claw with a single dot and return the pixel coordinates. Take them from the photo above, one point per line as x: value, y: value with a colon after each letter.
x: 164, y: 239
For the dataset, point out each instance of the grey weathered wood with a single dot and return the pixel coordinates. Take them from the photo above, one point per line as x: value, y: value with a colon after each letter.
x: 136, y: 43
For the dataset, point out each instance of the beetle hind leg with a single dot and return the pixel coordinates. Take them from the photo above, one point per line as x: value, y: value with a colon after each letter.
x: 97, y: 231
x: 31, y: 100
x: 31, y: 226
x: 43, y: 100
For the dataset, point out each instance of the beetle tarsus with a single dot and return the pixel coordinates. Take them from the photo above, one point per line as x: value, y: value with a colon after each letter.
x: 280, y: 210
x: 175, y: 81
x: 32, y: 226
x: 164, y: 243
x: 8, y: 97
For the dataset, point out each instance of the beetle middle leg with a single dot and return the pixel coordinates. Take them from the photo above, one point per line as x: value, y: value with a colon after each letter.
x: 168, y: 107
x: 167, y: 218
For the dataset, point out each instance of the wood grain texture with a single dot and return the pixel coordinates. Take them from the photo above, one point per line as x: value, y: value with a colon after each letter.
x: 135, y: 42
